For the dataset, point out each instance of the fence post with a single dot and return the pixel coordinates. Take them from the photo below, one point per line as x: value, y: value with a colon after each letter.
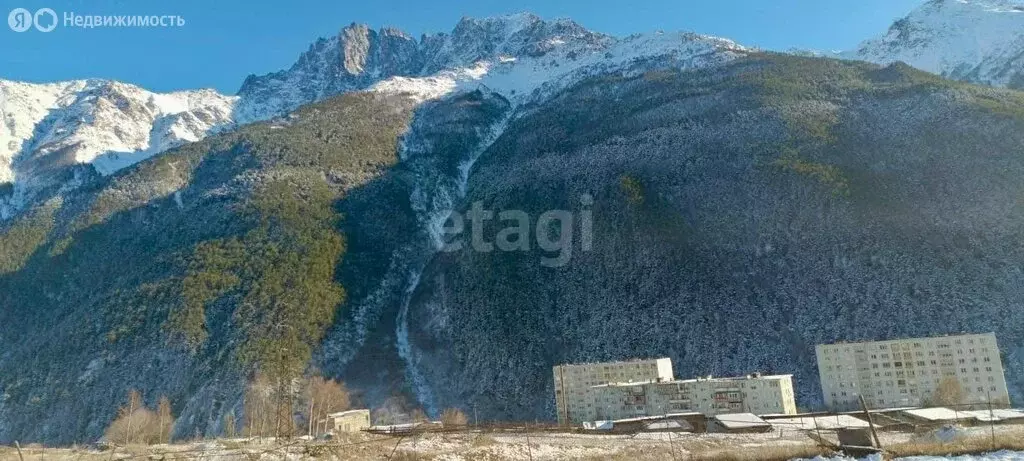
x: 991, y: 420
x: 871, y: 422
x: 529, y: 449
x: 18, y: 446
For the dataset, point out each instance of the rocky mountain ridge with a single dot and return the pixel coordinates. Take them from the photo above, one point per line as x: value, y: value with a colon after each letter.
x: 113, y: 125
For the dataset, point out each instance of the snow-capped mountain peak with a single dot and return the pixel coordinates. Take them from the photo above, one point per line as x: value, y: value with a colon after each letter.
x: 107, y: 123
x: 513, y: 54
x: 359, y: 57
x: 980, y: 41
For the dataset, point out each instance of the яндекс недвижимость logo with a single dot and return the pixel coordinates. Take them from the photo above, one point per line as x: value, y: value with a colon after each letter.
x: 21, y: 20
x: 45, y: 20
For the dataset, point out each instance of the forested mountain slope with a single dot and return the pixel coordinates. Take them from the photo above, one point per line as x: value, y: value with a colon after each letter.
x: 740, y: 217
x: 183, y: 274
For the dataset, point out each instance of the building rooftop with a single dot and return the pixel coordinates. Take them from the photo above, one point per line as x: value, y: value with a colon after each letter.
x: 614, y: 362
x: 820, y: 422
x: 347, y: 412
x: 695, y: 380
x: 939, y: 414
x: 608, y: 424
x: 740, y: 421
x: 880, y: 410
x: 867, y: 341
x: 731, y: 378
x: 627, y: 384
x: 668, y: 425
x: 996, y: 414
x: 657, y: 417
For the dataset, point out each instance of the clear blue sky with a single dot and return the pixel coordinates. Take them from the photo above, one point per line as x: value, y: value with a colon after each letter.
x: 225, y: 40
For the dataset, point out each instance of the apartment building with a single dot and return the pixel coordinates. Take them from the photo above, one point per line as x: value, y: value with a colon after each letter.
x: 908, y: 372
x: 618, y: 390
x: 709, y: 396
x: 574, y: 400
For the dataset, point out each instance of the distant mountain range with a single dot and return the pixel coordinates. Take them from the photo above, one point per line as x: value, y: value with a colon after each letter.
x: 111, y: 125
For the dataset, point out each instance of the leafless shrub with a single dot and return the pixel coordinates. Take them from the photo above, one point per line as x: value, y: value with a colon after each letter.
x: 453, y: 417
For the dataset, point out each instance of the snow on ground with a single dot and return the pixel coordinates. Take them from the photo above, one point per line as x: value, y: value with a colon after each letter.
x: 997, y: 456
x: 471, y: 446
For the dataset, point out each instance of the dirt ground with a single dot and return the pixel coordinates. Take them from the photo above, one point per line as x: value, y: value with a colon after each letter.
x: 471, y: 446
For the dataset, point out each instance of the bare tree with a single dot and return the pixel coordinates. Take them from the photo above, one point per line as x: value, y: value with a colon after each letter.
x: 323, y: 397
x: 397, y: 410
x: 229, y: 426
x: 166, y: 419
x: 949, y: 392
x: 453, y: 417
x: 258, y: 402
x: 270, y: 406
x: 136, y: 424
x: 419, y: 416
x: 134, y: 403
